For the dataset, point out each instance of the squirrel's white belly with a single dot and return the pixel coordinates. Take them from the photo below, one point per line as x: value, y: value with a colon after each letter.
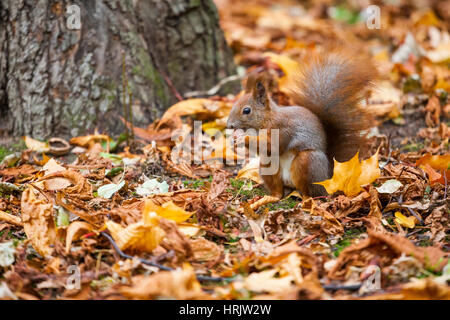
x: 285, y: 168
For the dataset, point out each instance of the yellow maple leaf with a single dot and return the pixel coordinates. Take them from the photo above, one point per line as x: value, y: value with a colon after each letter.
x: 168, y: 210
x: 144, y: 235
x: 408, y: 222
x: 36, y: 145
x: 349, y: 176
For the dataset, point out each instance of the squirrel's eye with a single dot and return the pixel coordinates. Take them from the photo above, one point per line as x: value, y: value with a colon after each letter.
x: 246, y: 110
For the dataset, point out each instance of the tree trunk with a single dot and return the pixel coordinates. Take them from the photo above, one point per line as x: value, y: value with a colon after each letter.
x: 55, y: 81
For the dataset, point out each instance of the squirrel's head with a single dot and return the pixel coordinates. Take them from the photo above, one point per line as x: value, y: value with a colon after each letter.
x: 251, y: 110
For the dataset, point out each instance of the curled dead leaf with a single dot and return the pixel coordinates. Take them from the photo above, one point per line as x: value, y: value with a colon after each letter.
x: 38, y: 221
x: 74, y: 230
x: 205, y: 250
x: 178, y: 284
x: 386, y: 247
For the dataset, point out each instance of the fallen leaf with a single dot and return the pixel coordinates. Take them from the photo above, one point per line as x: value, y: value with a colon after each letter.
x: 178, y: 284
x: 4, y: 216
x: 351, y: 175
x: 205, y: 250
x: 408, y: 222
x: 52, y: 166
x: 433, y: 176
x: 144, y: 235
x: 36, y: 145
x: 74, y: 230
x: 201, y: 107
x: 250, y: 171
x: 423, y: 289
x: 266, y: 281
x: 108, y: 190
x: 7, y: 251
x: 390, y: 186
x: 438, y: 162
x: 385, y: 246
x: 88, y: 141
x: 167, y: 210
x: 38, y: 221
x: 152, y: 186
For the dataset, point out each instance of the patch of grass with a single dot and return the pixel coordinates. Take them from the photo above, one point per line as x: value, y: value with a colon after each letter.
x: 288, y: 203
x: 424, y: 243
x: 411, y: 147
x: 245, y: 189
x: 341, y: 245
x: 16, y: 146
x: 193, y: 184
x: 346, y: 240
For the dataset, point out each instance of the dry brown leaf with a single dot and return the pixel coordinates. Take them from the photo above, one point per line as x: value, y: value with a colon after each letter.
x: 87, y: 141
x: 181, y: 198
x: 329, y: 224
x: 178, y: 284
x: 175, y: 240
x: 57, y: 183
x: 36, y: 145
x: 434, y: 111
x: 265, y: 281
x: 386, y: 247
x: 74, y: 230
x: 144, y: 235
x: 423, y: 289
x: 38, y: 221
x: 4, y: 216
x: 23, y: 170
x: 81, y: 186
x: 205, y: 108
x: 205, y: 250
x: 250, y: 171
x: 374, y: 217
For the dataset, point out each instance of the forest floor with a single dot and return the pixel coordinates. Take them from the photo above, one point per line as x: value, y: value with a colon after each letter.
x: 101, y: 217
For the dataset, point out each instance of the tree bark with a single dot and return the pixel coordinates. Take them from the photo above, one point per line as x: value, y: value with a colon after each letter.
x: 60, y: 82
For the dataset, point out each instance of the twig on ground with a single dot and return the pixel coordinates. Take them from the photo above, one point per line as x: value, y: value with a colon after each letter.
x: 157, y: 265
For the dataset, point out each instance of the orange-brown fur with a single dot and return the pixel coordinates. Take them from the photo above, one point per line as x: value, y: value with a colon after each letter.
x: 299, y: 172
x: 327, y: 121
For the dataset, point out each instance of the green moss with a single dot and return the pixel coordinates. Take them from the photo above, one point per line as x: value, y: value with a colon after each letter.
x: 3, y: 153
x: 146, y: 70
x: 347, y: 240
x: 412, y: 147
x: 194, y: 184
x: 16, y: 146
x: 245, y: 190
x: 288, y: 203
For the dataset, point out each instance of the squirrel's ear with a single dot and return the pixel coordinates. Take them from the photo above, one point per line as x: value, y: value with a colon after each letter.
x: 260, y: 92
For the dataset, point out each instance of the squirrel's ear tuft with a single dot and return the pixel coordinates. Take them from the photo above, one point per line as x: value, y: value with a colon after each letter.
x: 260, y: 92
x: 256, y: 85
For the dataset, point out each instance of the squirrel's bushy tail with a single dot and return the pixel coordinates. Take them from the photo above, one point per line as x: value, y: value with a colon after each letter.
x: 332, y: 86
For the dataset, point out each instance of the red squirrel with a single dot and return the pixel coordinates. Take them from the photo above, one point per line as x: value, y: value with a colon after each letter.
x: 327, y: 121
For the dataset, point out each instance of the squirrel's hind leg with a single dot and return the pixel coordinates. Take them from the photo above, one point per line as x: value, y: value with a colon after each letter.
x: 310, y: 166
